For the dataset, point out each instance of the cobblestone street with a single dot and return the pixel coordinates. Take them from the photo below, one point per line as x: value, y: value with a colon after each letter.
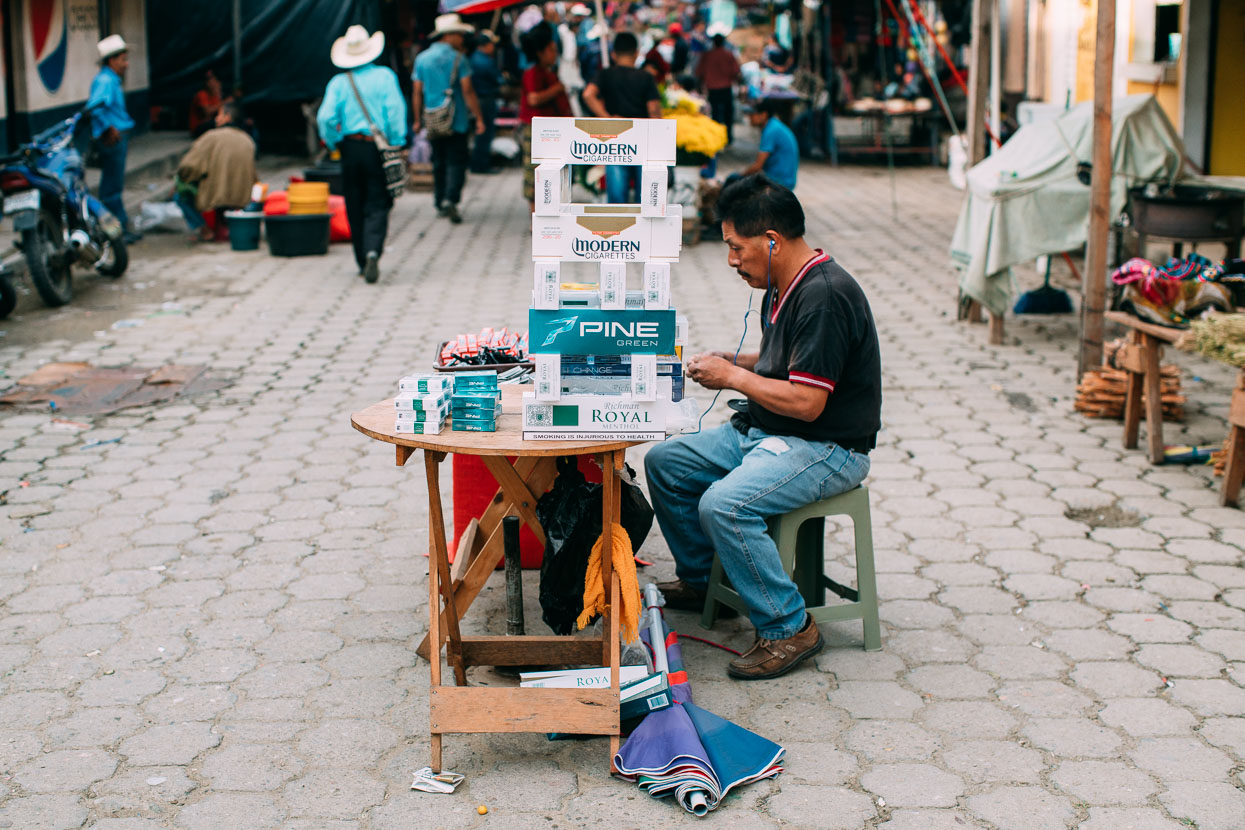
x: 210, y: 623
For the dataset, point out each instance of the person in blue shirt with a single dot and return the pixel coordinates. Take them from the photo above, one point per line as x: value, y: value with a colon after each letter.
x: 111, y: 125
x: 779, y: 156
x: 443, y: 75
x: 355, y: 100
x: 486, y: 79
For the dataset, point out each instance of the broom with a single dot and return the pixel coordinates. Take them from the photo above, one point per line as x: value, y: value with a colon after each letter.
x: 1044, y: 300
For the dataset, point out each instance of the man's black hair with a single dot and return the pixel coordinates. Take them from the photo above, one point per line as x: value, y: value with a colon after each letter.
x: 235, y: 112
x: 754, y: 205
x: 719, y: 41
x: 625, y: 43
x: 535, y: 40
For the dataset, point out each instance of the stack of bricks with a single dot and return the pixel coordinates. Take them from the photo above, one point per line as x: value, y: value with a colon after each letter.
x: 607, y: 359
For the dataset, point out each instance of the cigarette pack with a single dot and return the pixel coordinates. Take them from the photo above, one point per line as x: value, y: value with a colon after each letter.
x: 613, y: 285
x: 547, y: 290
x: 548, y: 370
x: 644, y: 377
x: 421, y: 415
x: 488, y: 399
x: 656, y: 285
x: 632, y: 141
x: 553, y: 187
x: 457, y: 425
x: 419, y: 402
x: 604, y: 233
x: 590, y: 331
x: 419, y: 427
x: 424, y: 384
x: 491, y: 414
x: 581, y: 417
x: 474, y: 382
x: 667, y: 388
x: 591, y: 298
x: 607, y: 366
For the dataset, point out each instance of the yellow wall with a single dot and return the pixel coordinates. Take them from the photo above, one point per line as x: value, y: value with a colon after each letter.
x: 1168, y: 95
x: 1086, y: 45
x: 1227, y: 125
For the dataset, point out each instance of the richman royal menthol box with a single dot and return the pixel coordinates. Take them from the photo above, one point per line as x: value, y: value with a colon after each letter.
x: 600, y: 233
x: 591, y: 417
x: 553, y: 189
x: 634, y: 141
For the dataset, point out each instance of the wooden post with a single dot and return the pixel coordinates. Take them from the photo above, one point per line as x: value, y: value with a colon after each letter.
x: 1100, y: 193
x: 979, y: 81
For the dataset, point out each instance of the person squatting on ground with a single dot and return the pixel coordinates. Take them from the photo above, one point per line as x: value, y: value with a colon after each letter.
x: 622, y: 91
x: 363, y: 95
x: 217, y: 171
x: 442, y: 75
x: 814, y: 396
x: 111, y: 125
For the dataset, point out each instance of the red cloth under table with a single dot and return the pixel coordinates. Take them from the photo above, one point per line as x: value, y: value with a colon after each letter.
x: 473, y: 491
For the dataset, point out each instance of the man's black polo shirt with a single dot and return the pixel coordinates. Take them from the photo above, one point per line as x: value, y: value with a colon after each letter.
x: 821, y: 332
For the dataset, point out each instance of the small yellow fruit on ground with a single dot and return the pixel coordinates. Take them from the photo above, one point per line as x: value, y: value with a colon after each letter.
x: 482, y: 809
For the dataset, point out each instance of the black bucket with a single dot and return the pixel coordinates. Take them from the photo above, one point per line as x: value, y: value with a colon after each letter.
x: 304, y: 234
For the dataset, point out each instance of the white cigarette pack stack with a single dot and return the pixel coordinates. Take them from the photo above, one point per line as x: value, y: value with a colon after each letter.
x: 422, y: 404
x: 596, y: 358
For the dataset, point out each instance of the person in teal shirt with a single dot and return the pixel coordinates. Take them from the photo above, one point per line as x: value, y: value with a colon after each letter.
x: 779, y: 154
x: 345, y: 121
x: 443, y: 73
x: 111, y: 125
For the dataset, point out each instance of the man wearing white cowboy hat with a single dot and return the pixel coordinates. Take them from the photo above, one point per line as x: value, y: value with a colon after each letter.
x: 443, y: 79
x: 111, y: 124
x: 363, y: 96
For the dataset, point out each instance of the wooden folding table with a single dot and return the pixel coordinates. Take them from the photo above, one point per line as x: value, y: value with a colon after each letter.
x: 524, y: 471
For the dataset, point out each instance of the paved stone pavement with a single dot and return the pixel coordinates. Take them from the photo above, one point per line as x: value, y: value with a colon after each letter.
x: 211, y: 622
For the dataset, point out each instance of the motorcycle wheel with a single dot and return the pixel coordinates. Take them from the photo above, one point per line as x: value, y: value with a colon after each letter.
x: 114, y: 260
x: 54, y: 282
x: 8, y: 297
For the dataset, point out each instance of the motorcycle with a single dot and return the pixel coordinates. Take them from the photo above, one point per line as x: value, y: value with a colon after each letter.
x: 59, y: 223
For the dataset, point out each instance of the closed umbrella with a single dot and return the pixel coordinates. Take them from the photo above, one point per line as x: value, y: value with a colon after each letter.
x: 684, y: 750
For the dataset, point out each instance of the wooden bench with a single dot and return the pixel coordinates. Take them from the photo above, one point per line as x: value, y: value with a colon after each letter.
x: 1140, y: 359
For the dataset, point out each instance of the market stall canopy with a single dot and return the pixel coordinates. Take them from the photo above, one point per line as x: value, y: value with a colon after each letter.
x: 464, y: 7
x: 1025, y: 200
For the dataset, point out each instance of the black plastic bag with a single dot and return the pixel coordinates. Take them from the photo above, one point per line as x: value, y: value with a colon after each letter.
x: 570, y: 514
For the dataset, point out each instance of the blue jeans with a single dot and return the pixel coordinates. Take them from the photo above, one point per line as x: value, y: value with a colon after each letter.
x: 714, y: 491
x: 186, y: 201
x: 619, y: 181
x: 112, y: 179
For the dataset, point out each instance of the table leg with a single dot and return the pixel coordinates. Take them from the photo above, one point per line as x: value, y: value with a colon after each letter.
x: 611, y: 513
x: 537, y: 474
x: 1234, y: 469
x: 439, y: 573
x: 1132, y: 400
x: 1153, y: 382
x: 434, y: 604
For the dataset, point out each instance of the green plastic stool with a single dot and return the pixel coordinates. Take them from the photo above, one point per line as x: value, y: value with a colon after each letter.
x: 800, y: 537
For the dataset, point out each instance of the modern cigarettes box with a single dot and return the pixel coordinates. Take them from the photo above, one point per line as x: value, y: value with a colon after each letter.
x: 424, y: 384
x: 630, y: 141
x: 603, y: 233
x: 419, y: 427
x: 419, y: 402
x: 553, y: 187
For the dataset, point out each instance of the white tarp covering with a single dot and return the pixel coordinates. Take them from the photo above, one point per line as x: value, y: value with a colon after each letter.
x: 1025, y: 200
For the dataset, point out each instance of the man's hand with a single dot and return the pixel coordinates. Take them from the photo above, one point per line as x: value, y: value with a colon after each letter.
x: 712, y: 370
x: 479, y: 126
x: 415, y: 126
x: 110, y: 137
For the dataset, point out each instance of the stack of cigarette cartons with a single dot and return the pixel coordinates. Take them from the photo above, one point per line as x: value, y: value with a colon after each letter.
x: 607, y: 358
x: 422, y: 403
x: 476, y: 402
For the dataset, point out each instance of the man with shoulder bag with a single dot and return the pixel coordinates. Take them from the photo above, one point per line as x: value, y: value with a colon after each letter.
x: 444, y: 104
x: 364, y: 116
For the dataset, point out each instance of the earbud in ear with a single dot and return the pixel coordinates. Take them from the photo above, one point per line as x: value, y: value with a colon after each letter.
x: 771, y: 244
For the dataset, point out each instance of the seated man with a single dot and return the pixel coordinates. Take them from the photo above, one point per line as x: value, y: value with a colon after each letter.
x: 814, y: 396
x: 779, y: 155
x: 217, y: 172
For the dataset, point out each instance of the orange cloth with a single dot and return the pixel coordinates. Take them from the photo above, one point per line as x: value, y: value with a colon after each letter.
x: 628, y: 587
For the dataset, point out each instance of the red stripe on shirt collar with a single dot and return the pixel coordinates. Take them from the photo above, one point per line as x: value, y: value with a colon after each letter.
x: 820, y: 257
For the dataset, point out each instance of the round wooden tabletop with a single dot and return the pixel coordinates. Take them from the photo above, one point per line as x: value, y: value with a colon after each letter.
x: 378, y: 419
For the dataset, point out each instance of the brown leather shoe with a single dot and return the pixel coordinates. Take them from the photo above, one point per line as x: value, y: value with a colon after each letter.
x: 683, y: 597
x: 774, y: 658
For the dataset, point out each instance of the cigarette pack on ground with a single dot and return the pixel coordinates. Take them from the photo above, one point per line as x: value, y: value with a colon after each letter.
x: 604, y: 233
x: 424, y: 384
x: 589, y: 417
x: 632, y: 141
x: 416, y: 402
